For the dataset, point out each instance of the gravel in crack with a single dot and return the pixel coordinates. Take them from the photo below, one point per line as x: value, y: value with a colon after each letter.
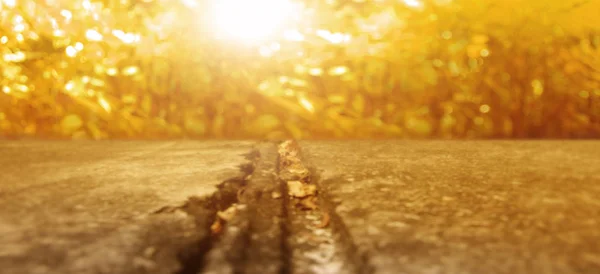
x: 225, y: 216
x: 312, y: 242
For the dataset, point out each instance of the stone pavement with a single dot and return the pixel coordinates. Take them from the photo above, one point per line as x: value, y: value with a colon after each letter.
x: 382, y: 207
x: 466, y: 206
x: 90, y: 207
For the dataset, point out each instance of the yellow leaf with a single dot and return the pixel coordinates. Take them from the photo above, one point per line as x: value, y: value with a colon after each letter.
x: 337, y: 71
x: 480, y: 39
x: 294, y: 130
x: 419, y: 126
x: 195, y: 126
x: 266, y: 122
x: 358, y: 104
x: 71, y: 123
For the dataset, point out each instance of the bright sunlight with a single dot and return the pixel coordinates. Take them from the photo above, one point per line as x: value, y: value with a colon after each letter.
x: 251, y: 21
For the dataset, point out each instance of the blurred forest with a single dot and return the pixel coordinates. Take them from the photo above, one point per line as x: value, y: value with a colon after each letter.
x: 87, y: 69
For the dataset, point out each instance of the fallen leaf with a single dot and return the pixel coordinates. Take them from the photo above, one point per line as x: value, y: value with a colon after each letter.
x: 228, y: 214
x: 216, y: 227
x: 324, y: 220
x: 300, y: 190
x: 295, y: 172
x: 240, y: 192
x: 71, y: 123
x: 309, y: 203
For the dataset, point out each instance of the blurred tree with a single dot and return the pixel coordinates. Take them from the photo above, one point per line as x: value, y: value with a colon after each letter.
x: 376, y: 69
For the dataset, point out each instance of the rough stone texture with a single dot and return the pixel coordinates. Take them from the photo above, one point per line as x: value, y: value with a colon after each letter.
x: 264, y: 253
x: 228, y: 253
x: 87, y: 207
x: 466, y: 206
x: 315, y: 243
x: 408, y: 206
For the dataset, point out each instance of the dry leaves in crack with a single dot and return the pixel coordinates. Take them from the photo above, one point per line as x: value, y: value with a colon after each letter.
x: 216, y: 227
x: 325, y: 219
x: 308, y: 203
x: 224, y: 217
x: 296, y: 176
x: 295, y: 172
x: 286, y: 148
x: 228, y: 213
x: 298, y: 189
x: 276, y: 195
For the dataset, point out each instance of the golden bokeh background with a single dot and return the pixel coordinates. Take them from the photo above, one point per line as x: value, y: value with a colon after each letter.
x: 86, y: 69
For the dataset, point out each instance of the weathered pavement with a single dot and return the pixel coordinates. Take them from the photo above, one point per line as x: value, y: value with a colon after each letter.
x: 383, y: 207
x: 466, y: 207
x: 91, y: 207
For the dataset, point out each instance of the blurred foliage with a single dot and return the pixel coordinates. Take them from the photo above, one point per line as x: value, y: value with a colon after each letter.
x: 362, y: 69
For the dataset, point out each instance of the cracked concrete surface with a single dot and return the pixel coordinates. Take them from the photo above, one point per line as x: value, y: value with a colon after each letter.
x: 396, y: 206
x: 466, y: 206
x: 87, y: 207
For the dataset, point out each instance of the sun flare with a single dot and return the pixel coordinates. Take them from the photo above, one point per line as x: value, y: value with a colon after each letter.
x: 251, y: 20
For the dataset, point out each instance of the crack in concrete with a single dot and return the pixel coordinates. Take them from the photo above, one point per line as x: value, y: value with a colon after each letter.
x: 264, y: 253
x: 250, y: 241
x: 317, y: 240
x: 194, y: 258
x: 355, y: 261
x: 271, y: 231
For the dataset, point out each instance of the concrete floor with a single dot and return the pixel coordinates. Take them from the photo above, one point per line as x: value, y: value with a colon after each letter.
x: 400, y: 206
